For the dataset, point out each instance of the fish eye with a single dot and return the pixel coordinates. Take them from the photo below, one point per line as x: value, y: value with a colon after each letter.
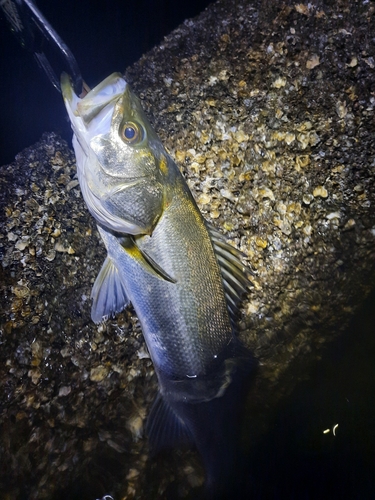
x: 131, y: 133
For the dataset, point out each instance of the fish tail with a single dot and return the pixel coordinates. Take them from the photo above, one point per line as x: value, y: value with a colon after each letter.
x: 212, y: 427
x: 219, y: 441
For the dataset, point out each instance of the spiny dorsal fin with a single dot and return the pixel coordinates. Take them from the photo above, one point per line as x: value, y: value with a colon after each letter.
x: 235, y: 275
x: 108, y: 293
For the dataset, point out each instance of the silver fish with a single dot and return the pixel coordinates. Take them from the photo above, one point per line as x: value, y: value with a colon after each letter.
x: 184, y: 281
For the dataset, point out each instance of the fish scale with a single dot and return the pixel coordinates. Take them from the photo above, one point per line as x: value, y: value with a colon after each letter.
x: 202, y: 320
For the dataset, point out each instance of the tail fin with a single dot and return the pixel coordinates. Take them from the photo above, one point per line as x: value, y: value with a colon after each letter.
x: 213, y: 427
x: 217, y: 436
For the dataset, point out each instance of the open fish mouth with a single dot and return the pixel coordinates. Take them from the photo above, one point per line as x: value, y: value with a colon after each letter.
x: 94, y: 102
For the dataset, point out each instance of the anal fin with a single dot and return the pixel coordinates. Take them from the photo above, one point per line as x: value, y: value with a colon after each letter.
x: 164, y: 428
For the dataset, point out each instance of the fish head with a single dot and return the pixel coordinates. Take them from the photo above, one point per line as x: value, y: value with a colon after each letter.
x: 121, y: 162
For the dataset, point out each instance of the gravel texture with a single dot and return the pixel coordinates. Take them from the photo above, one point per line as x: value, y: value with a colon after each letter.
x: 268, y: 108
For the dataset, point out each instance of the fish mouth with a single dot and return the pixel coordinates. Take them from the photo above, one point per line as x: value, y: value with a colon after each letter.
x: 88, y: 107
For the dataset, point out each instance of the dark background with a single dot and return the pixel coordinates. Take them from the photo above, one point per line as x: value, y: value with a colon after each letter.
x: 295, y: 460
x: 105, y: 36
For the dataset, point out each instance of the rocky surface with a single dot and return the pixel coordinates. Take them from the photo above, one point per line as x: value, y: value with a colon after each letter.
x: 269, y: 111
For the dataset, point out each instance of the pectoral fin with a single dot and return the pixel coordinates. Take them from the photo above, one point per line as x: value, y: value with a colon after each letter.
x: 130, y: 246
x: 108, y: 293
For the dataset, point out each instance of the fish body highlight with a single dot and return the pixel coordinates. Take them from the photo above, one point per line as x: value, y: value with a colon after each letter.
x: 184, y: 281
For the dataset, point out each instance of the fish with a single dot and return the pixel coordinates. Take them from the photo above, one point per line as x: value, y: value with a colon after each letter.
x: 184, y: 280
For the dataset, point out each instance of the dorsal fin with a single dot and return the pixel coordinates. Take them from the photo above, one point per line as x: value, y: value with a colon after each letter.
x: 235, y: 275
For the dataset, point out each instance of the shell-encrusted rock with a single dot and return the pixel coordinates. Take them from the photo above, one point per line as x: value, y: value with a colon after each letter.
x: 320, y: 191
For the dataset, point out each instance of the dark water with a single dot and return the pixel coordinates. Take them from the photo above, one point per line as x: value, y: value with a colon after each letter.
x: 104, y: 36
x: 296, y: 459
